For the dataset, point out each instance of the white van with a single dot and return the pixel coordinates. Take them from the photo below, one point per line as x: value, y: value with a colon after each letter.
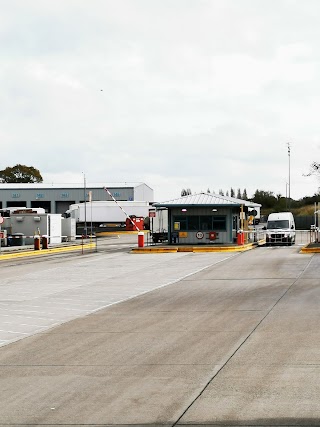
x: 280, y: 229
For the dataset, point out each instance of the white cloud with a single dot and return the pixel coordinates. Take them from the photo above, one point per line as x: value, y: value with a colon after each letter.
x: 177, y: 94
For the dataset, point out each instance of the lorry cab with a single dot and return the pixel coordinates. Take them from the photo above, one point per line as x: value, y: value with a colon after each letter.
x: 280, y: 229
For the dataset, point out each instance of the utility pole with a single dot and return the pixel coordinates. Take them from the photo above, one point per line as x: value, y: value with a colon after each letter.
x: 289, y: 186
x: 85, y: 204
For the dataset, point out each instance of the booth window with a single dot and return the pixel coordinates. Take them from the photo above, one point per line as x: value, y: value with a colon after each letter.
x: 193, y: 223
x: 219, y: 222
x: 205, y: 222
x: 201, y: 222
x: 183, y: 222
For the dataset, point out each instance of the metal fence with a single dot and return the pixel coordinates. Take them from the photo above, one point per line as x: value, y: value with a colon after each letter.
x: 303, y: 237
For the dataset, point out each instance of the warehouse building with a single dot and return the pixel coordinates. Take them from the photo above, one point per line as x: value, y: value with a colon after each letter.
x: 56, y: 198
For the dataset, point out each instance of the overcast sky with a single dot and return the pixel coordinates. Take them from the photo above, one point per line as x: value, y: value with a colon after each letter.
x: 175, y: 93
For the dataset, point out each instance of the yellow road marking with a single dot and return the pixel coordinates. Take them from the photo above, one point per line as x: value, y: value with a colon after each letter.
x: 46, y: 251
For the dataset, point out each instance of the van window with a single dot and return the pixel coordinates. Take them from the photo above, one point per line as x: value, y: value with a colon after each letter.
x: 278, y: 224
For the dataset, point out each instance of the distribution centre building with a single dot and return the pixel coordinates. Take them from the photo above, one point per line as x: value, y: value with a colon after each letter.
x: 56, y: 198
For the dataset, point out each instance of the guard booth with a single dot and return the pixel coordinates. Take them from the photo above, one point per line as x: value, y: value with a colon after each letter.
x: 205, y: 219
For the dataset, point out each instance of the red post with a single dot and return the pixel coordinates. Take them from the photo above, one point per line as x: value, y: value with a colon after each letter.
x: 240, y: 238
x: 36, y: 243
x: 45, y: 242
x: 141, y: 240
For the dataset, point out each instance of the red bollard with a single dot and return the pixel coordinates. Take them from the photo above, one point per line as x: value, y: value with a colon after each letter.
x: 36, y: 242
x: 240, y: 238
x: 45, y: 242
x: 141, y: 240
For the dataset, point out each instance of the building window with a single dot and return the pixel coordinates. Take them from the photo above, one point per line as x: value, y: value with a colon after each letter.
x: 193, y: 223
x: 182, y: 220
x: 205, y: 223
x: 219, y: 223
x: 201, y: 222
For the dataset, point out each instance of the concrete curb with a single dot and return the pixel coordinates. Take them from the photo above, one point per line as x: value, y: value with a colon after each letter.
x: 192, y: 249
x: 306, y: 250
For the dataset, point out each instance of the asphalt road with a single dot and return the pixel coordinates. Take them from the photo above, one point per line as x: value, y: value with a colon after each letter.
x: 162, y: 339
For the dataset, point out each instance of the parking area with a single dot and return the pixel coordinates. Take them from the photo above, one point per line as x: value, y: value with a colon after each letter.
x: 163, y: 339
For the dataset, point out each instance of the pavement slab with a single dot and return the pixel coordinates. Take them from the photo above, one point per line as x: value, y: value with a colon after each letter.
x: 218, y: 342
x: 275, y: 393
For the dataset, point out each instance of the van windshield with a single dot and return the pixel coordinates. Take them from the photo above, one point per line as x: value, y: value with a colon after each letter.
x: 278, y: 224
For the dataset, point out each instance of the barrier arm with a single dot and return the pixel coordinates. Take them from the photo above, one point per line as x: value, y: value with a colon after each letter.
x: 135, y: 225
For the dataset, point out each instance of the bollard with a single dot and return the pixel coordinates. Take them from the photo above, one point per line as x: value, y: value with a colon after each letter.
x: 36, y: 242
x: 240, y: 237
x: 45, y: 242
x: 141, y: 239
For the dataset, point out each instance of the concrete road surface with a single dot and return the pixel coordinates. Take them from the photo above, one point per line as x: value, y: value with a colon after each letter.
x: 204, y: 339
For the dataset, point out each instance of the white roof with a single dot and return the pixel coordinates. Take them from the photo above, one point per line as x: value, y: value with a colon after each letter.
x: 202, y: 199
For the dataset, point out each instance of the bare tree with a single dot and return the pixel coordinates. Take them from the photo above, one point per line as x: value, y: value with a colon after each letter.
x: 314, y: 169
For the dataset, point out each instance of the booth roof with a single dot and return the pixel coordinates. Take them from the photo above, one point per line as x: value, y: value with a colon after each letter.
x: 206, y: 199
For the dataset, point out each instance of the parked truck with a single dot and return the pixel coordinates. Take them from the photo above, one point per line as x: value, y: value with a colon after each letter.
x: 159, y: 226
x: 106, y: 213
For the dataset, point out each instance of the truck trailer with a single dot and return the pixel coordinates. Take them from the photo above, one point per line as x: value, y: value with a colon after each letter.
x: 106, y: 213
x: 159, y: 225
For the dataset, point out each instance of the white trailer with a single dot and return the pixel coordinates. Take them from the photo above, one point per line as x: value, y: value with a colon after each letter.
x: 106, y: 212
x: 159, y: 225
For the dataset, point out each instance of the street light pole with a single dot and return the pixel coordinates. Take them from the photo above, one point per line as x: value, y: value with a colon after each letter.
x: 85, y: 205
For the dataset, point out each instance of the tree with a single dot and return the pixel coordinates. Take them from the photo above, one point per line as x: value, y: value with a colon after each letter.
x: 221, y: 192
x: 231, y: 192
x: 239, y: 194
x: 244, y: 195
x: 227, y: 193
x: 20, y: 173
x: 186, y: 192
x: 265, y: 198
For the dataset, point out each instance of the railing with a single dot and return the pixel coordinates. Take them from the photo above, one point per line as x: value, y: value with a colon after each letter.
x: 89, y: 242
x: 254, y: 235
x: 303, y: 237
x: 84, y: 242
x: 314, y: 235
